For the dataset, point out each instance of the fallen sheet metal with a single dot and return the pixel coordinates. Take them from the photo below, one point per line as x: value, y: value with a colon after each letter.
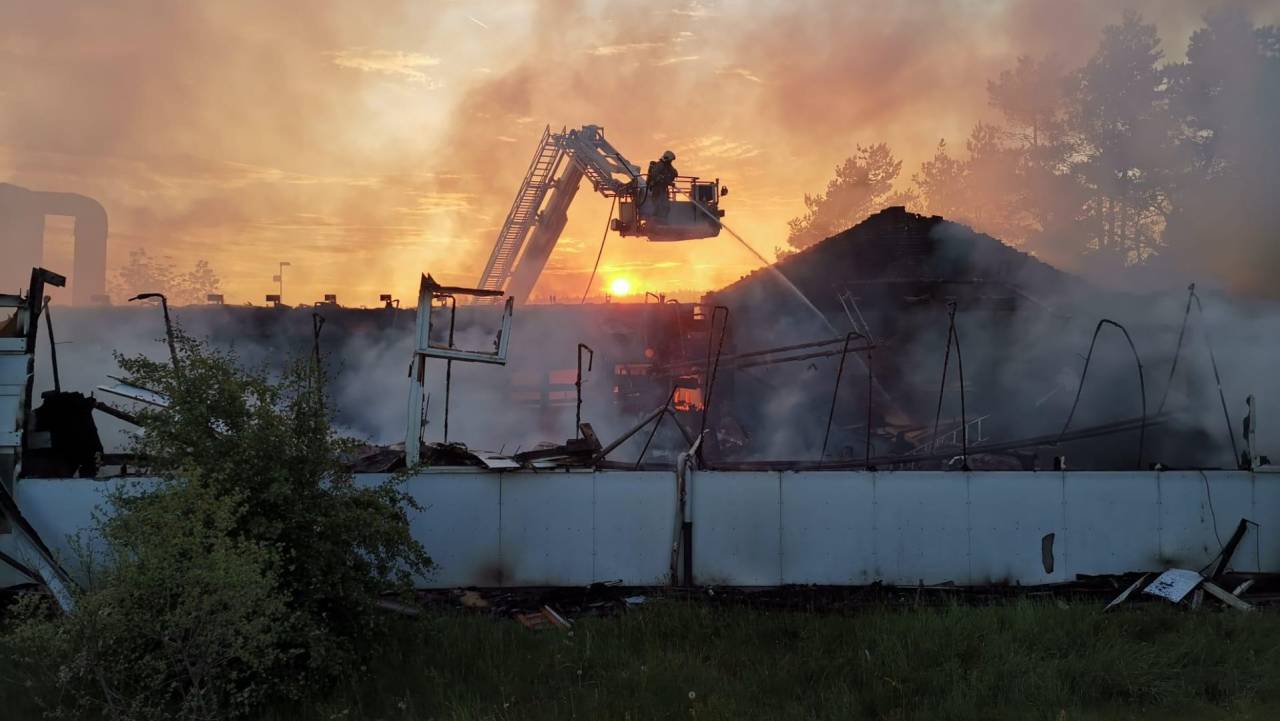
x: 495, y: 462
x: 124, y: 389
x: 1174, y: 584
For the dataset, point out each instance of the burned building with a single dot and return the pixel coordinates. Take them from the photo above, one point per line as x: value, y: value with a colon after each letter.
x: 834, y: 401
x: 956, y: 341
x: 835, y: 355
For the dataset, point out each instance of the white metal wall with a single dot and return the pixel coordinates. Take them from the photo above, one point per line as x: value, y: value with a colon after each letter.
x: 832, y: 527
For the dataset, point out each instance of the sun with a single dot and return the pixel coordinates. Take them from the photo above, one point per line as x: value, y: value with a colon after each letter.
x: 620, y: 286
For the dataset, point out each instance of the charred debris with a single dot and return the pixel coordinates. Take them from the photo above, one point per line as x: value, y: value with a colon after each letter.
x: 918, y: 344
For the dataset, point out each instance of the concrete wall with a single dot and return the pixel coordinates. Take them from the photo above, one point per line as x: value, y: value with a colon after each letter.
x: 831, y: 527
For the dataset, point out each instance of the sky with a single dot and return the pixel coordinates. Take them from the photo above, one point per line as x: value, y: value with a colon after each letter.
x: 366, y: 141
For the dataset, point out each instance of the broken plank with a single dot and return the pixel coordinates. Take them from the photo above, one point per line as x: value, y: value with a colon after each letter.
x: 1221, y: 594
x: 1244, y: 587
x: 1125, y: 594
x: 1230, y: 549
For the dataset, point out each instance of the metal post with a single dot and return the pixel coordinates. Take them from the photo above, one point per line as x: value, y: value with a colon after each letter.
x: 684, y: 542
x: 871, y: 379
x: 448, y: 363
x: 1251, y: 434
x: 591, y: 356
x: 417, y: 379
x: 835, y: 393
x: 168, y: 326
x: 712, y: 368
x: 280, y: 279
x: 670, y: 397
x: 964, y: 421
x: 53, y: 347
x: 603, y: 452
x: 317, y: 322
x: 317, y: 371
x: 168, y: 333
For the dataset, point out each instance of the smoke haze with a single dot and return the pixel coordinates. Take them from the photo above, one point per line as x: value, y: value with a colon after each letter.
x: 364, y: 142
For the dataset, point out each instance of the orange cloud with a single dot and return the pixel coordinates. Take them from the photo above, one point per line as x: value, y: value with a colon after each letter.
x: 314, y: 131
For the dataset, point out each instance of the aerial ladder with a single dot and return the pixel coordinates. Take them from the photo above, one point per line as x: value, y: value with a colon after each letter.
x: 540, y: 210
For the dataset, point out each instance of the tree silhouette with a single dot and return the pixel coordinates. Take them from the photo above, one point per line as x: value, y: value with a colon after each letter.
x: 145, y: 273
x: 862, y: 185
x: 1226, y: 96
x: 1125, y: 140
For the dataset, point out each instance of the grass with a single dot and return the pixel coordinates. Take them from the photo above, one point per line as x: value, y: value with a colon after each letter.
x: 691, y: 661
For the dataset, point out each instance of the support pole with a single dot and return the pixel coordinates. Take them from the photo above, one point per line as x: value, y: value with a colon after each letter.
x: 53, y: 346
x: 871, y: 379
x: 577, y: 384
x: 835, y: 393
x: 168, y: 326
x: 417, y: 381
x: 448, y: 363
x: 670, y: 397
x: 712, y: 366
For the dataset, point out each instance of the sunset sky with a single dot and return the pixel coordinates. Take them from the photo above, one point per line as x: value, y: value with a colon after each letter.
x: 365, y: 141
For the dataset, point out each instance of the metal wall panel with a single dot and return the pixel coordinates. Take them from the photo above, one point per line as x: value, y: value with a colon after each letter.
x: 1266, y: 513
x: 766, y: 528
x: 13, y: 368
x: 736, y: 528
x: 1112, y: 522
x: 635, y: 522
x: 1010, y: 513
x: 1197, y: 509
x: 8, y: 576
x: 60, y: 509
x: 548, y: 528
x: 458, y: 525
x: 922, y: 527
x: 828, y: 528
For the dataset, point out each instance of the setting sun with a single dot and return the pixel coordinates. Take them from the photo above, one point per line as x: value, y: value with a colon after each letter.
x: 620, y: 286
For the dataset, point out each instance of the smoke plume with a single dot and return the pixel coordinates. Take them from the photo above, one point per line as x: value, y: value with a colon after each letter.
x: 386, y: 136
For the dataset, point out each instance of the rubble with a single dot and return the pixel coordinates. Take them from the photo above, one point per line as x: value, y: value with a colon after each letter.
x: 545, y: 617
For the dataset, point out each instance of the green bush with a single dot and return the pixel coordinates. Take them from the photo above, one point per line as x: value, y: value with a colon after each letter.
x: 183, y: 619
x: 246, y: 575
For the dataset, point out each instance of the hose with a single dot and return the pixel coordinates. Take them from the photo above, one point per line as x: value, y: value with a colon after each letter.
x: 600, y: 254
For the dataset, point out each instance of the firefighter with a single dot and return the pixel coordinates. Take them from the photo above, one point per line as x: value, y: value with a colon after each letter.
x: 662, y: 175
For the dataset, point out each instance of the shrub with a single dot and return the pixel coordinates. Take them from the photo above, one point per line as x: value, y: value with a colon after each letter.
x: 246, y: 573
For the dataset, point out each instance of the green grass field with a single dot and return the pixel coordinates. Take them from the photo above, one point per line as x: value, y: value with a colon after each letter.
x: 680, y: 659
x: 693, y: 661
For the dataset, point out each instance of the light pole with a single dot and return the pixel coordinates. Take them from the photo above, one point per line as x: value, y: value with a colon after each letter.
x: 279, y: 278
x: 168, y: 326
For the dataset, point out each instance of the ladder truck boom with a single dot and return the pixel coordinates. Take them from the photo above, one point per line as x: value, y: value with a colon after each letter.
x: 540, y: 210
